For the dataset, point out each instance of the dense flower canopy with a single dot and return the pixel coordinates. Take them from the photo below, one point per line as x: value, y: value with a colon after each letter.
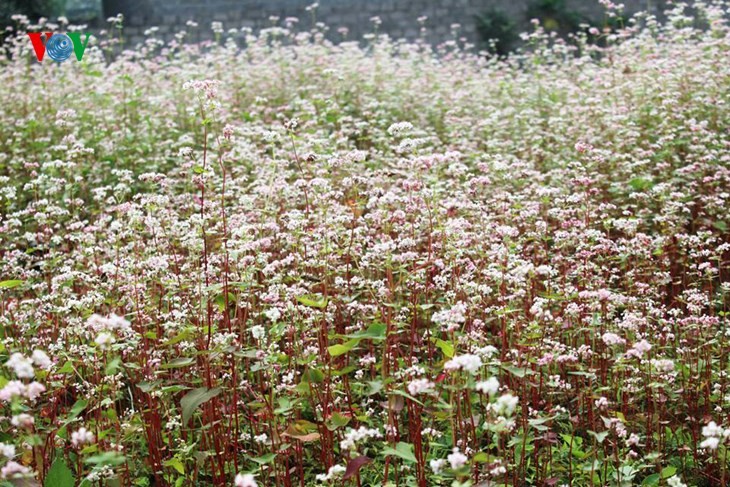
x: 301, y: 263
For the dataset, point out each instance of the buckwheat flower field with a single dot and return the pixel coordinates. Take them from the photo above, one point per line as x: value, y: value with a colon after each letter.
x: 301, y: 263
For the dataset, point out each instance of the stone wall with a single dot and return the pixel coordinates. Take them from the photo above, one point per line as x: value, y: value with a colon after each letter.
x: 399, y: 18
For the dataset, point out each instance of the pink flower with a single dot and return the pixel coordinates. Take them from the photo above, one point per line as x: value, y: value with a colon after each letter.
x: 245, y: 480
x: 13, y: 468
x: 34, y: 390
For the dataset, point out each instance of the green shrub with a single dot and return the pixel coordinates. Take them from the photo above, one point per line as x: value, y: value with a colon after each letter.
x: 497, y: 31
x: 554, y: 16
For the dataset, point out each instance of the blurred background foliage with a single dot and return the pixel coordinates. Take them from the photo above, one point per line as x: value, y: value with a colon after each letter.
x: 499, y: 32
x: 75, y: 10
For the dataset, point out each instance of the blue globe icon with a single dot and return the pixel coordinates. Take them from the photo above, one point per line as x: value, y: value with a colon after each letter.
x: 59, y: 47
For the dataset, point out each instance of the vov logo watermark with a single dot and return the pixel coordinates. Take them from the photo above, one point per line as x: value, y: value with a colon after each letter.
x: 58, y: 46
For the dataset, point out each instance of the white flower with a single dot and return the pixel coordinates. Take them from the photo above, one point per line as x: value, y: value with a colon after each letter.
x: 353, y: 436
x: 712, y: 443
x: 13, y: 468
x: 639, y: 349
x: 450, y: 319
x: 468, y: 362
x: 712, y: 429
x: 258, y: 332
x: 41, y: 359
x: 273, y: 314
x: 356, y: 156
x: 505, y: 405
x: 334, y: 471
x: 117, y: 322
x: 601, y: 402
x: 712, y: 433
x: 400, y: 128
x: 663, y: 365
x: 487, y: 352
x: 81, y: 437
x: 675, y: 481
x: 108, y: 323
x: 22, y: 367
x: 420, y: 386
x: 12, y: 389
x: 34, y: 390
x: 612, y: 339
x: 633, y: 439
x: 245, y: 480
x: 228, y: 131
x: 437, y: 465
x: 489, y: 386
x: 22, y: 420
x: 457, y: 459
x: 6, y: 450
x: 104, y: 340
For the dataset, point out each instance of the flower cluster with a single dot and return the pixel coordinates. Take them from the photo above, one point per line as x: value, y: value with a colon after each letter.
x: 276, y: 260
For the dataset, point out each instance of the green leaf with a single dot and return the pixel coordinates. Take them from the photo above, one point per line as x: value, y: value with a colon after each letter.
x: 581, y: 373
x: 341, y: 349
x: 652, y: 479
x: 302, y: 430
x: 668, y: 471
x: 598, y: 436
x: 402, y: 450
x: 59, y: 475
x: 178, y: 362
x: 173, y: 388
x: 183, y: 335
x: 195, y: 398
x: 398, y: 392
x: 337, y: 421
x: 375, y: 387
x: 149, y: 386
x: 313, y: 301
x: 446, y: 348
x: 264, y: 459
x: 10, y: 284
x: 301, y: 427
x: 67, y: 368
x: 220, y: 300
x: 111, y: 458
x: 720, y: 225
x: 175, y: 463
x: 345, y: 371
x: 518, y: 372
x: 538, y: 423
x: 376, y: 331
x: 113, y: 366
x: 76, y: 409
x: 481, y: 457
x: 313, y: 376
x: 641, y: 184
